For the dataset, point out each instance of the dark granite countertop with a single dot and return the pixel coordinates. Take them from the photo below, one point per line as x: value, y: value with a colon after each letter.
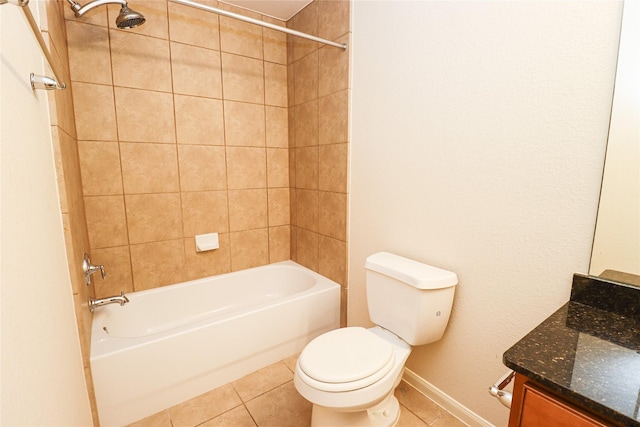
x: 588, y: 351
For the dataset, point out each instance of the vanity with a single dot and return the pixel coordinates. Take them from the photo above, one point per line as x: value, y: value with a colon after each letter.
x: 581, y: 366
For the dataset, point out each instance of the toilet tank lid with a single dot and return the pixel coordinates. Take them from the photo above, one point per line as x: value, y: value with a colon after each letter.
x: 414, y: 273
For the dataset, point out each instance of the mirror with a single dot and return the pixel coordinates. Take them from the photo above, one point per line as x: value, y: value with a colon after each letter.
x: 616, y: 245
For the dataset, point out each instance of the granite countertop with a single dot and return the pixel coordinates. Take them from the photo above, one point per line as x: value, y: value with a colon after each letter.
x: 588, y: 351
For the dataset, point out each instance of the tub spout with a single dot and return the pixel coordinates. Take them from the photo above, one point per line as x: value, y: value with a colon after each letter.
x: 119, y: 299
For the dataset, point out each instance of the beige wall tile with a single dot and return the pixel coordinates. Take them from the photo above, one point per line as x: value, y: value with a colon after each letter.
x: 106, y: 223
x: 275, y: 84
x: 277, y: 127
x: 154, y: 11
x: 307, y: 209
x: 202, y: 167
x: 62, y: 109
x: 307, y: 167
x: 275, y: 43
x: 67, y: 168
x: 278, y: 206
x: 332, y: 220
x: 292, y: 168
x: 89, y: 55
x: 117, y: 264
x: 277, y: 167
x: 291, y: 99
x: 247, y: 209
x: 193, y: 26
x: 241, y: 38
x: 246, y: 167
x: 306, y: 78
x: 333, y: 18
x: 332, y: 259
x: 144, y: 116
x: 293, y: 242
x: 205, y: 212
x: 334, y: 69
x: 332, y: 175
x: 279, y: 243
x: 307, y: 248
x: 333, y: 123
x: 149, y: 168
x: 307, y: 22
x: 244, y: 124
x: 242, y: 78
x: 209, y: 263
x: 100, y: 167
x: 249, y: 248
x: 95, y: 112
x: 306, y: 124
x: 153, y: 217
x: 98, y: 16
x: 150, y: 57
x: 199, y: 120
x: 196, y: 71
x: 157, y: 264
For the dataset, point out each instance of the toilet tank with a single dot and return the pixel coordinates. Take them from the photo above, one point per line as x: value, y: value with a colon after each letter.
x: 411, y: 299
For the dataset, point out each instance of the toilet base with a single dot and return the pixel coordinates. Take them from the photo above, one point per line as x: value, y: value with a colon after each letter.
x: 384, y: 414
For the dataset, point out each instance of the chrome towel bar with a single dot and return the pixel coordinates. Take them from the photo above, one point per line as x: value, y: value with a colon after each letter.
x: 37, y: 81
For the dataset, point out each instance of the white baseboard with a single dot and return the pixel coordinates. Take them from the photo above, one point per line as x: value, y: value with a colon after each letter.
x: 456, y: 409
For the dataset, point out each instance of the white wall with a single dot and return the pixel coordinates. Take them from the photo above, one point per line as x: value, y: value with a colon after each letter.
x: 42, y: 381
x: 478, y: 138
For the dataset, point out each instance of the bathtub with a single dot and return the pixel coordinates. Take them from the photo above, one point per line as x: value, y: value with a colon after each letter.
x: 173, y: 343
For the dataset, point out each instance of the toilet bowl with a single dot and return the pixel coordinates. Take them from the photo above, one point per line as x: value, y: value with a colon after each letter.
x: 349, y: 374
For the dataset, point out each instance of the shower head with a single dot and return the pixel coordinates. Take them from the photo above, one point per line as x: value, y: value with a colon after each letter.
x: 127, y: 18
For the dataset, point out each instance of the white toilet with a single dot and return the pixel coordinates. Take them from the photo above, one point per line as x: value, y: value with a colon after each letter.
x: 350, y: 374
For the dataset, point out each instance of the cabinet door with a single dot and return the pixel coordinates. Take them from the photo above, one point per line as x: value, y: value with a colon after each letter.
x: 542, y: 409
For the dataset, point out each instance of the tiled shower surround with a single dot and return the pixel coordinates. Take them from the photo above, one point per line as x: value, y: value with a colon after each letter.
x: 194, y: 123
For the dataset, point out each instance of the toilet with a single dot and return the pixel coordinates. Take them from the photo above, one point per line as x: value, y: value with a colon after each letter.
x: 349, y: 374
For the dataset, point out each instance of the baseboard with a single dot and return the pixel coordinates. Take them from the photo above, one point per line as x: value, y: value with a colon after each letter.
x: 456, y: 409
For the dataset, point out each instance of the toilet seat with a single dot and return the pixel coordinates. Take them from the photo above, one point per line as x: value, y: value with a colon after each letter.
x: 345, y: 359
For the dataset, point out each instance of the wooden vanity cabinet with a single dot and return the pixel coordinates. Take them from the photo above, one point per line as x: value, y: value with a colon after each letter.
x: 534, y: 406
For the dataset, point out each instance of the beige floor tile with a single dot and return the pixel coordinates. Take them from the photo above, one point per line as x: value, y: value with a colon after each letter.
x: 161, y: 419
x: 291, y: 362
x: 262, y: 381
x: 423, y: 407
x: 204, y: 407
x: 448, y: 420
x: 237, y: 417
x: 409, y: 419
x: 282, y: 407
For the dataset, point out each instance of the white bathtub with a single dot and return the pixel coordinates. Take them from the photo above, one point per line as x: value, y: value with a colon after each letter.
x: 173, y: 343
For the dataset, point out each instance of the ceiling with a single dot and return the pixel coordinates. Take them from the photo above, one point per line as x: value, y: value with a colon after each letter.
x: 280, y: 9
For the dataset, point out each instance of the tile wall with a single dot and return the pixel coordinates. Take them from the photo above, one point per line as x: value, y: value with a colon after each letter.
x: 192, y: 123
x: 318, y: 81
x: 182, y: 130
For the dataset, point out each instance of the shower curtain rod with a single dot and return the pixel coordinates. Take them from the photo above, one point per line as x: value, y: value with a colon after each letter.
x: 258, y: 22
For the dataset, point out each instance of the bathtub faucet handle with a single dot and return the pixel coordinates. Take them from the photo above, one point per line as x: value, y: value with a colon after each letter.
x: 90, y: 269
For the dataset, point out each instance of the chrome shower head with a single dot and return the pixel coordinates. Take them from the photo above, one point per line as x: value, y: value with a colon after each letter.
x: 128, y: 18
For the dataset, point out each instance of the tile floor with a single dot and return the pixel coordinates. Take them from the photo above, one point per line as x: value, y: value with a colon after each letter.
x: 268, y: 398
